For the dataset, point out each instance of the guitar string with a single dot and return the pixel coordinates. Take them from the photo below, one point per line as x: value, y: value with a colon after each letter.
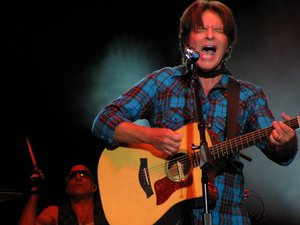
x: 161, y: 168
x: 216, y: 150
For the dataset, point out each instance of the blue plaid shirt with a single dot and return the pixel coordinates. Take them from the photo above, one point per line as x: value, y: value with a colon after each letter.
x: 165, y: 98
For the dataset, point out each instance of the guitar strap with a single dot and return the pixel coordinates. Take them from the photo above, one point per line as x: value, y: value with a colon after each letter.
x: 232, y: 110
x: 233, y: 93
x: 232, y: 107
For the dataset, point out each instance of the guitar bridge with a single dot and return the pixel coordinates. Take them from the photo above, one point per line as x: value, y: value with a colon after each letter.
x: 144, y: 178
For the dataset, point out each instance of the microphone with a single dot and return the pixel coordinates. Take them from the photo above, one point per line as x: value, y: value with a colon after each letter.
x: 191, y: 55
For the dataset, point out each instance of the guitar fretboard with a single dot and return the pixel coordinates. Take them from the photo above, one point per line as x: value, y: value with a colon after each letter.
x: 236, y: 144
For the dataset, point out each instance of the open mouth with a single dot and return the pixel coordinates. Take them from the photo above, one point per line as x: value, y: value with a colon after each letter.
x: 209, y: 50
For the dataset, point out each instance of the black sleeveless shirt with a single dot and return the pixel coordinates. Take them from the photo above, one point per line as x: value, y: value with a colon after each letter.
x: 67, y: 216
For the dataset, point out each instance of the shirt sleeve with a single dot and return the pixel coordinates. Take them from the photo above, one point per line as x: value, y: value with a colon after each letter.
x: 262, y: 117
x: 130, y: 106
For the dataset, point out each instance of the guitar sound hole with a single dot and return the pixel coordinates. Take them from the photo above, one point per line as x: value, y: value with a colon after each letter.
x: 178, y: 167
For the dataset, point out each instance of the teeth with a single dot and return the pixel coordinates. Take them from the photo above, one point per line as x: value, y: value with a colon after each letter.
x: 209, y: 50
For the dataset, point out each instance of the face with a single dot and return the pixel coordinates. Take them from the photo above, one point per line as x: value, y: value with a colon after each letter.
x: 210, y: 41
x: 80, y: 181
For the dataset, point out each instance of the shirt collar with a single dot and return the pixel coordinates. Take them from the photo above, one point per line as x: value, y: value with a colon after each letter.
x: 181, y: 70
x: 223, y: 83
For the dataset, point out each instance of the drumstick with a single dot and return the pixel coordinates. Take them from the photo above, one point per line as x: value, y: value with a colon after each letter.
x: 31, y: 154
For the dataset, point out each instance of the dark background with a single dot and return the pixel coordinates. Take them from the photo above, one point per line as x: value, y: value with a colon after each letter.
x: 63, y: 63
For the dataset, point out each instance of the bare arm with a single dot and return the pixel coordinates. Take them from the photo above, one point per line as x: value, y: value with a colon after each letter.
x: 29, y: 212
x: 162, y: 139
x: 48, y: 216
x: 28, y: 215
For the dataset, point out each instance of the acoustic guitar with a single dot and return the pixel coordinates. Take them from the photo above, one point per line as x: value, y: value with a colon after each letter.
x: 139, y: 184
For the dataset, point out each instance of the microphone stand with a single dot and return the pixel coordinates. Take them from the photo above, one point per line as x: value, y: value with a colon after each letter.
x: 206, y: 161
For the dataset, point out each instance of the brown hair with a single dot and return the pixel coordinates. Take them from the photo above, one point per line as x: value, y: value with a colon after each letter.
x: 192, y: 19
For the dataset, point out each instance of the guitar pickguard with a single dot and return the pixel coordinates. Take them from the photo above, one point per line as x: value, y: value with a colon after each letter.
x: 164, y: 188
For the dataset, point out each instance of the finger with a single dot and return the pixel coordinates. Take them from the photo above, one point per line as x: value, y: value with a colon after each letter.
x: 169, y: 153
x: 278, y: 139
x: 285, y: 116
x: 273, y: 141
x: 177, y: 137
x: 172, y: 150
x: 280, y: 129
x: 275, y: 132
x: 174, y: 141
x: 276, y: 125
x: 285, y: 129
x: 275, y: 136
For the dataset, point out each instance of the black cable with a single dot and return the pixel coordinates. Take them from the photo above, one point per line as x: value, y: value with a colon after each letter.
x: 260, y: 219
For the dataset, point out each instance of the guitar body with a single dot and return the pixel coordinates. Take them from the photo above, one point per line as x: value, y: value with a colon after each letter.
x: 141, y: 185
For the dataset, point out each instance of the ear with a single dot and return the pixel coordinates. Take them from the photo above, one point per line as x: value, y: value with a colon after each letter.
x: 67, y: 190
x: 94, y: 187
x: 229, y: 48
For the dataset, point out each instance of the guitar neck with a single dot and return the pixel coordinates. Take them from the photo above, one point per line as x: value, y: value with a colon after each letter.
x: 236, y: 144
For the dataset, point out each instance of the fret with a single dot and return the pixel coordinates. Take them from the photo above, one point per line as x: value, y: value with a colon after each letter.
x: 252, y: 138
x: 236, y: 146
x: 242, y: 145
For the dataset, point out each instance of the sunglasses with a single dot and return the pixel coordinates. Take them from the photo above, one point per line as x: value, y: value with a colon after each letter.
x: 82, y: 173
